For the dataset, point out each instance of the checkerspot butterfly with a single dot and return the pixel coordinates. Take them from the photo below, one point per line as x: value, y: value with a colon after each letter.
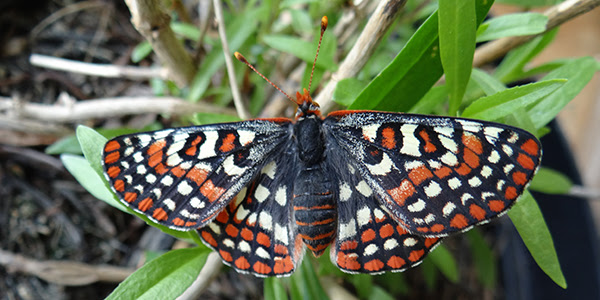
x: 381, y: 189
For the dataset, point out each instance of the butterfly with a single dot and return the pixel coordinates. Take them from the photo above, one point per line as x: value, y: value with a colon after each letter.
x: 380, y: 189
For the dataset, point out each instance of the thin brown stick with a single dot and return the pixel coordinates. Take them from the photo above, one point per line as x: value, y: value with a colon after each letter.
x: 557, y: 15
x: 148, y: 17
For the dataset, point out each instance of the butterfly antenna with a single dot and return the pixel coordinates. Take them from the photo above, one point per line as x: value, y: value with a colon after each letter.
x: 323, y: 27
x: 241, y: 58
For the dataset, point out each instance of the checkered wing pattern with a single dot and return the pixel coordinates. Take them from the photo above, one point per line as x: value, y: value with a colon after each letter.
x: 255, y: 233
x: 182, y: 178
x: 368, y: 239
x: 437, y: 175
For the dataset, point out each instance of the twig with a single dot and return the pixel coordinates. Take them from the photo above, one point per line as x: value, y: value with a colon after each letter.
x: 107, y: 107
x: 368, y: 40
x: 31, y: 126
x: 557, y: 15
x: 63, y: 272
x: 241, y: 109
x: 210, y: 270
x: 152, y: 22
x: 102, y: 70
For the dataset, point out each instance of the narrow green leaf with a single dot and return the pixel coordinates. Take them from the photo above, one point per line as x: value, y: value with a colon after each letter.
x: 141, y: 51
x: 92, y: 145
x: 187, y: 30
x: 550, y: 182
x: 528, y: 219
x: 578, y: 72
x: 488, y: 84
x: 485, y: 261
x: 457, y: 25
x: 273, y: 289
x: 445, y: 262
x: 81, y: 169
x: 302, y: 22
x: 506, y: 102
x: 434, y: 98
x: 516, y: 24
x: 430, y: 273
x: 304, y: 50
x: 305, y: 283
x: 347, y: 90
x: 363, y: 283
x: 165, y: 277
x: 380, y: 294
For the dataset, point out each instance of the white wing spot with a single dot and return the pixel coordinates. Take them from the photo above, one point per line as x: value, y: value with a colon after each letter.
x: 281, y: 234
x: 270, y: 169
x: 433, y: 189
x: 184, y: 188
x: 244, y: 246
x: 138, y: 157
x: 410, y: 144
x: 128, y: 151
x: 128, y: 179
x: 345, y: 191
x: 486, y: 171
x: 196, y: 203
x: 409, y: 242
x: 370, y: 249
x: 347, y: 230
x: 413, y: 164
x: 266, y: 221
x: 246, y: 137
x: 363, y: 216
x: 174, y: 160
x: 208, y: 147
x: 157, y: 193
x: 500, y: 185
x: 448, y: 143
x: 494, y: 157
x: 144, y: 140
x: 170, y: 204
x: 261, y: 252
x: 475, y: 181
x: 261, y: 193
x: 448, y: 208
x: 417, y: 206
x: 454, y: 183
x: 241, y: 213
x: 507, y: 149
x: 492, y: 132
x: 466, y: 197
x: 159, y: 135
x: 363, y: 188
x: 150, y: 178
x: 167, y: 180
x: 141, y: 169
x: 444, y: 130
x: 514, y: 137
x: 449, y: 159
x: 470, y: 125
x: 508, y: 168
x: 383, y: 167
x: 281, y: 196
x: 176, y: 146
x: 230, y: 168
x: 229, y: 243
x: 370, y: 131
x: 390, y: 244
x: 429, y: 218
x: 214, y: 227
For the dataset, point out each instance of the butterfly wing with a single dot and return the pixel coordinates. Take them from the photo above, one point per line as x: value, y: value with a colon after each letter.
x: 183, y: 177
x: 256, y: 233
x: 437, y: 175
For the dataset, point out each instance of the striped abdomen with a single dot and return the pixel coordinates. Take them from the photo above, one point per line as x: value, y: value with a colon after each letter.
x: 315, y: 209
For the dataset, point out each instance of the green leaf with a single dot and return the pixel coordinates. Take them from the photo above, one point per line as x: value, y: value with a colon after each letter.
x: 528, y: 219
x: 81, y: 169
x: 347, y: 90
x: 363, y: 283
x: 380, y: 294
x: 210, y: 118
x: 457, y: 25
x: 141, y: 51
x: 550, y: 182
x: 92, y: 145
x: 578, y: 73
x: 413, y: 72
x: 484, y: 258
x: 273, y: 289
x: 166, y: 277
x: 445, y: 262
x: 435, y: 97
x: 508, y: 101
x: 304, y: 50
x: 187, y: 30
x: 70, y: 144
x: 305, y: 283
x: 488, y: 84
x: 430, y: 274
x: 516, y: 24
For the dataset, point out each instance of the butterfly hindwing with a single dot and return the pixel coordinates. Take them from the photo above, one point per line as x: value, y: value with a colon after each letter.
x: 256, y: 233
x: 183, y: 177
x: 437, y: 175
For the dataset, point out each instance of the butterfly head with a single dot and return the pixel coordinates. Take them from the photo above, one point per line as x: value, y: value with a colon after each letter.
x: 306, y: 105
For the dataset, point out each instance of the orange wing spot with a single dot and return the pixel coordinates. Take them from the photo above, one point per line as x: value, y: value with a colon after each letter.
x: 471, y: 158
x: 519, y: 178
x: 316, y: 207
x: 349, y: 245
x: 316, y: 237
x: 317, y: 249
x: 232, y: 231
x: 156, y: 146
x: 222, y: 217
x: 248, y: 235
x: 367, y: 236
x: 263, y: 239
x: 463, y: 169
x: 459, y: 221
x: 209, y: 238
x: 379, y: 220
x: 347, y: 261
x: 111, y: 146
x: 145, y: 204
x: 510, y: 193
x: 437, y: 228
x: 190, y: 224
x: 429, y: 147
x: 210, y: 191
x: 423, y: 229
x: 420, y: 174
x: 530, y: 146
x: 155, y: 159
x: 477, y: 212
x: 227, y: 143
x: 402, y: 192
x: 197, y: 175
x: 261, y: 268
x: 396, y: 262
x: 442, y: 172
x: 283, y: 266
x: 496, y: 205
x: 430, y: 241
x: 161, y: 169
x: 401, y: 230
x: 178, y: 222
x: 226, y: 256
x: 178, y: 171
x: 386, y: 231
x: 281, y: 249
x: 111, y: 158
x: 389, y: 138
x: 242, y: 263
x: 415, y: 255
x: 320, y: 222
x: 160, y: 214
x: 119, y: 185
x: 472, y: 142
x: 191, y: 151
x: 113, y: 171
x: 130, y: 197
x: 373, y: 265
x: 525, y: 161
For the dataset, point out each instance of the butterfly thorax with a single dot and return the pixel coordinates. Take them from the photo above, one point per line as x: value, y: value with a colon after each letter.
x: 315, y: 208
